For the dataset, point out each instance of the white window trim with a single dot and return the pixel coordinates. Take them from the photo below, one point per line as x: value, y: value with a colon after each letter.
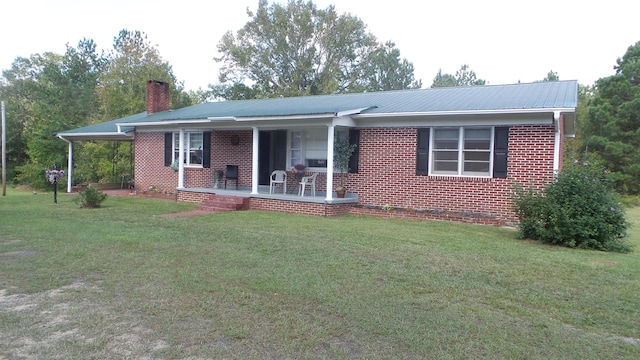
x: 290, y: 148
x: 459, y: 172
x: 187, y: 148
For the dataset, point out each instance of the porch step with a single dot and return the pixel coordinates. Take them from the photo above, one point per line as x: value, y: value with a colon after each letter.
x: 217, y: 202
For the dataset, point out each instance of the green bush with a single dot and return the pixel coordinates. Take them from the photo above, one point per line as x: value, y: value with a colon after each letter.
x: 34, y: 176
x: 579, y: 209
x: 90, y: 198
x: 528, y: 207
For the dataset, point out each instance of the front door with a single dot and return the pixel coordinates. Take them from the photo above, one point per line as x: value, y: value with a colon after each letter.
x: 272, y: 153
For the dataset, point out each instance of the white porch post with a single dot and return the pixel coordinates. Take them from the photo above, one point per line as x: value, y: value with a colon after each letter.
x: 181, y: 160
x: 70, y: 167
x: 69, y: 164
x: 330, y: 140
x: 254, y: 162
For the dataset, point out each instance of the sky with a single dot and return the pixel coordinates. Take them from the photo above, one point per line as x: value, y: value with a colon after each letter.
x: 504, y: 42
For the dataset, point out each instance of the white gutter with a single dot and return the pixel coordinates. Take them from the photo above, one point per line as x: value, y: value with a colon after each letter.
x: 221, y: 118
x: 353, y: 111
x: 95, y: 134
x: 166, y: 122
x: 469, y: 112
x: 287, y: 117
x: 69, y: 163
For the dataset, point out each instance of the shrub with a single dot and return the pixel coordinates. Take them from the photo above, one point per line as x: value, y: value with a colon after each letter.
x: 579, y: 209
x: 33, y: 175
x: 528, y: 206
x: 90, y: 198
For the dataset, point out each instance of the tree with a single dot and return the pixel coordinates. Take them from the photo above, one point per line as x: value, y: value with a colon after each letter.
x: 298, y: 49
x: 574, y: 147
x: 613, y: 128
x: 235, y: 91
x: 387, y: 71
x: 463, y: 77
x: 551, y: 76
x: 131, y: 63
x: 17, y: 92
x: 122, y: 92
x: 47, y: 93
x: 444, y: 80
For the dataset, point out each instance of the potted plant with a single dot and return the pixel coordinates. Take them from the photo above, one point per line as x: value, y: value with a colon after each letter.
x: 342, y: 151
x: 297, y: 171
x: 53, y: 176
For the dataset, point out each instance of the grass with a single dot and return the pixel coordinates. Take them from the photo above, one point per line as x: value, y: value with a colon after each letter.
x: 122, y: 282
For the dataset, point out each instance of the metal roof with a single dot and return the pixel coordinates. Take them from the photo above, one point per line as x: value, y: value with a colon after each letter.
x: 516, y: 98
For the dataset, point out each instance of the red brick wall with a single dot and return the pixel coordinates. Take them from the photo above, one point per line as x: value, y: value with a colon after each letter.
x: 387, y: 175
x: 149, y: 164
x: 224, y: 153
x: 412, y: 214
x: 192, y: 197
x: 150, y: 169
x: 298, y: 207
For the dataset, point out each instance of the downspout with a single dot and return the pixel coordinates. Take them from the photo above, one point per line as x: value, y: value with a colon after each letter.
x: 557, y: 143
x: 69, y: 163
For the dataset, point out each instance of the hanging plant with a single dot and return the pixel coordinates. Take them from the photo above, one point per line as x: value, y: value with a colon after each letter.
x: 54, y: 175
x: 342, y: 151
x: 175, y: 165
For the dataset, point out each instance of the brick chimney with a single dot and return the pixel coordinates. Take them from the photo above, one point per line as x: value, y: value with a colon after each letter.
x: 157, y: 96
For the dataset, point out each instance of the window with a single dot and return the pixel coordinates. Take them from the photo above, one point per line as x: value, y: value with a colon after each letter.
x: 193, y: 142
x: 461, y: 151
x: 295, y: 149
x: 476, y: 153
x: 309, y: 147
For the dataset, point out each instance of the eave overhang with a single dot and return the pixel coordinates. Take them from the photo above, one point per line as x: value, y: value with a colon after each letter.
x: 467, y: 113
x: 495, y: 117
x: 101, y: 136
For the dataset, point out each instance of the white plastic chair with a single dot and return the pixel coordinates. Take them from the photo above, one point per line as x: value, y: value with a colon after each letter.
x: 308, y: 180
x: 278, y: 177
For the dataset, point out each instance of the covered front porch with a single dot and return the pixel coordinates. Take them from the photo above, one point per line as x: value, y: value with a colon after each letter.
x: 254, y: 154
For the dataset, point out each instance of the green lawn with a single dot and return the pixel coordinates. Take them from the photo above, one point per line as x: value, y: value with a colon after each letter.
x: 123, y: 282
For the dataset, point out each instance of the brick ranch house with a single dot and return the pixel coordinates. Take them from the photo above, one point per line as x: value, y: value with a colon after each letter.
x: 446, y: 153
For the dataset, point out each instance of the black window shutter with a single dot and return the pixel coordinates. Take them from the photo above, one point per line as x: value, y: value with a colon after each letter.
x: 500, y: 152
x: 354, y: 160
x: 280, y: 152
x: 168, y: 148
x: 422, y: 152
x: 206, y: 149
